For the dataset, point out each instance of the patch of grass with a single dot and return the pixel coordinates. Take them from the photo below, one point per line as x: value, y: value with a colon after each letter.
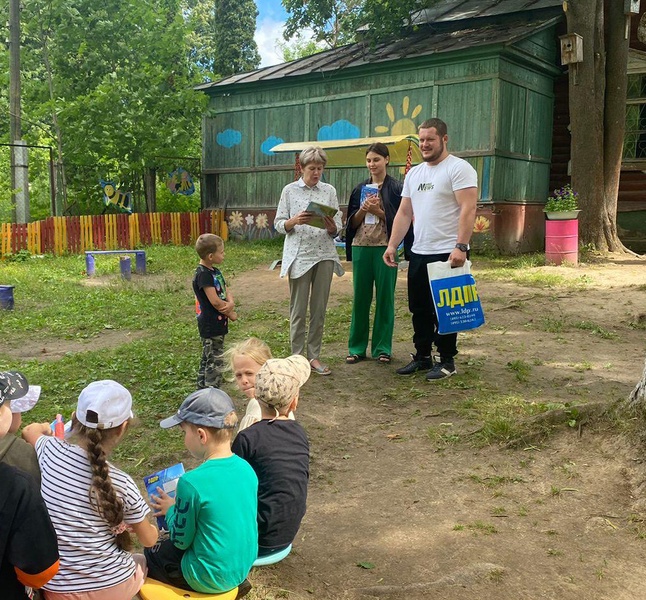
x: 595, y: 329
x: 496, y: 575
x: 442, y: 436
x: 493, y: 481
x: 480, y: 527
x: 570, y: 470
x: 520, y: 369
x: 552, y: 325
x: 504, y: 418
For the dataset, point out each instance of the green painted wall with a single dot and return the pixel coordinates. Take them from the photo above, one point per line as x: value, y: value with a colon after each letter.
x: 497, y: 103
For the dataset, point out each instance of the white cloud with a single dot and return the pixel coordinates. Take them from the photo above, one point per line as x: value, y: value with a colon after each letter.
x: 268, y: 32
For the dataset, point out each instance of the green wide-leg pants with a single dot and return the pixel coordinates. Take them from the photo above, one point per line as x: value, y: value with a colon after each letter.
x: 370, y: 272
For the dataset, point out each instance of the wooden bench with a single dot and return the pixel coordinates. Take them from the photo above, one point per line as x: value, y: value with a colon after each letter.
x: 140, y: 260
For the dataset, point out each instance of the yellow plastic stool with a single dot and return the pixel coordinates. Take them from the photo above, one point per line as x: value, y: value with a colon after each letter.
x: 156, y: 590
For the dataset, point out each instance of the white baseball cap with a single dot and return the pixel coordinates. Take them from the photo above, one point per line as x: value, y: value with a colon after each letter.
x: 104, y: 404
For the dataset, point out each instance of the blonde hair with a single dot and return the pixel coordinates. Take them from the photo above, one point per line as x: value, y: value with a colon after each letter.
x: 208, y: 243
x: 254, y: 348
x: 313, y: 154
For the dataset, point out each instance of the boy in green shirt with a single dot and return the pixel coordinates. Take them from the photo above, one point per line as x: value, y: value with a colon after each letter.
x: 212, y: 519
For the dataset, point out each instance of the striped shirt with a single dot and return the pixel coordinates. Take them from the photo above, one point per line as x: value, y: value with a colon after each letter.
x: 89, y: 557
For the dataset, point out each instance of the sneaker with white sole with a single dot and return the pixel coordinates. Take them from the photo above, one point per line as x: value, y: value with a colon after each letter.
x: 417, y: 363
x: 441, y: 371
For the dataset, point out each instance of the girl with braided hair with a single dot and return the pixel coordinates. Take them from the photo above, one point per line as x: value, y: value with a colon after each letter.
x: 93, y: 506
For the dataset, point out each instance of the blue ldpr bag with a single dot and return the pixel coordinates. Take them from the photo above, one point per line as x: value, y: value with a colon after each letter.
x: 457, y: 303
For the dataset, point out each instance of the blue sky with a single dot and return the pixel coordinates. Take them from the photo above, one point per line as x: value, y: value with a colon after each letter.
x: 269, y: 28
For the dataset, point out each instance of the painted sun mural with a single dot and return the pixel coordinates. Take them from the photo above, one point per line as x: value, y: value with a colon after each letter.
x: 405, y: 124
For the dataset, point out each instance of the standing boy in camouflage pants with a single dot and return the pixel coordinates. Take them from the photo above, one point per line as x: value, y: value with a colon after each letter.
x: 214, y: 307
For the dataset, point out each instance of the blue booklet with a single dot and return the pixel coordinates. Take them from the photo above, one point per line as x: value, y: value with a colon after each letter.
x: 369, y: 189
x: 166, y: 479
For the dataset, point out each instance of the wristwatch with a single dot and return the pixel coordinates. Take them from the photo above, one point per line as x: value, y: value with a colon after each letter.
x: 462, y: 247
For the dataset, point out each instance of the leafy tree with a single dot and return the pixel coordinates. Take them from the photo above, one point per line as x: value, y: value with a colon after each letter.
x: 113, y: 102
x: 383, y: 19
x: 199, y: 16
x: 298, y: 47
x: 235, y: 48
x: 332, y: 21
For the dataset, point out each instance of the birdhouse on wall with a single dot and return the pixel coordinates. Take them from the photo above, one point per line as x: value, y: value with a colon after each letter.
x: 631, y: 7
x: 571, y: 48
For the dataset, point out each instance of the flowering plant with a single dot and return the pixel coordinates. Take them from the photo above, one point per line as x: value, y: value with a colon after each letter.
x: 562, y: 199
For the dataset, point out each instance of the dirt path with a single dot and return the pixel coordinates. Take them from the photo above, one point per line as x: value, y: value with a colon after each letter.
x: 398, y: 510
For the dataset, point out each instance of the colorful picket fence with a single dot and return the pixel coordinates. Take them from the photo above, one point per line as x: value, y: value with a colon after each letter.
x: 73, y: 235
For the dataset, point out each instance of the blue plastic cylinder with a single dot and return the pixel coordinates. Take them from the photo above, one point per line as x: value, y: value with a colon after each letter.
x: 6, y: 297
x: 90, y: 266
x: 125, y: 264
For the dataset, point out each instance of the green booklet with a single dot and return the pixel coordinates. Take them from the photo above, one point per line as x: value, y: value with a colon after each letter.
x: 319, y: 211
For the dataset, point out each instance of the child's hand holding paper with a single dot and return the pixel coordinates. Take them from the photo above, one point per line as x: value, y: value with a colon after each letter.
x: 161, y: 502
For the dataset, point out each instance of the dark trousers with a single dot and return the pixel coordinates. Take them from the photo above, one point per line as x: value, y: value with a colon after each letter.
x: 420, y: 304
x: 164, y: 562
x: 262, y: 551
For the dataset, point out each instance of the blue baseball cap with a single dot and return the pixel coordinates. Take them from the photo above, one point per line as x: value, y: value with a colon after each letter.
x: 208, y: 407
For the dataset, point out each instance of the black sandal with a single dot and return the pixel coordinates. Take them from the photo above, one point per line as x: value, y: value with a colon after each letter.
x: 353, y: 359
x: 384, y: 359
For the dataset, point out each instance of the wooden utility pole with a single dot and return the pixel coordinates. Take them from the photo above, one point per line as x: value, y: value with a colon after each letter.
x: 19, y: 175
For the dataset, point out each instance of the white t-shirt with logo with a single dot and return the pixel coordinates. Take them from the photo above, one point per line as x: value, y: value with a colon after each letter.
x: 431, y: 190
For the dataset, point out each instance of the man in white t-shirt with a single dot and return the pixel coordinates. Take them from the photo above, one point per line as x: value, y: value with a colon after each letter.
x: 440, y: 199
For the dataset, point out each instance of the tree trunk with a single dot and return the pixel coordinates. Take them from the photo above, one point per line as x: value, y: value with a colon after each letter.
x: 62, y: 179
x: 617, y: 43
x: 597, y: 89
x: 150, y: 189
x: 586, y: 87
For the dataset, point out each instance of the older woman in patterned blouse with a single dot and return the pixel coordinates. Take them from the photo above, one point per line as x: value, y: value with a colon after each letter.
x: 309, y: 255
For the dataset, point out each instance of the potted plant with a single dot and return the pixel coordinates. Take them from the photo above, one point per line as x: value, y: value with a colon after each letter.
x: 562, y: 204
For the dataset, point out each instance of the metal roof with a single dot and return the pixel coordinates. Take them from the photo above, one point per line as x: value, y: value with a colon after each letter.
x: 449, y: 25
x: 455, y: 10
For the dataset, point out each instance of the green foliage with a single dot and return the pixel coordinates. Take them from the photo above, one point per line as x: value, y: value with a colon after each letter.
x: 332, y: 21
x: 167, y: 202
x: 387, y: 18
x: 200, y: 35
x: 109, y: 86
x: 235, y: 48
x: 298, y: 47
x: 336, y: 22
x: 562, y: 200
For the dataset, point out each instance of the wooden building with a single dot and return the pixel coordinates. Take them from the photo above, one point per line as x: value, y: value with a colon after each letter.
x: 486, y: 68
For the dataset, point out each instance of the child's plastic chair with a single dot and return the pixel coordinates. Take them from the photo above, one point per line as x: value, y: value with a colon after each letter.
x: 271, y: 559
x: 156, y: 590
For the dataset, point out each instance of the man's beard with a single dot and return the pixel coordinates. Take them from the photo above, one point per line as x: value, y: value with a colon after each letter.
x: 435, y: 155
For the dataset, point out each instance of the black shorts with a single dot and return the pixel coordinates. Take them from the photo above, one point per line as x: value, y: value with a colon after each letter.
x: 164, y: 562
